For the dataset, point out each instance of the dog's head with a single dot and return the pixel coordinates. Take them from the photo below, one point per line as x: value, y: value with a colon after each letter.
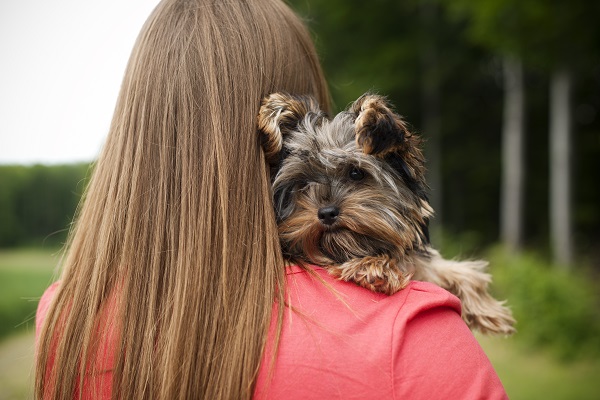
x: 349, y: 187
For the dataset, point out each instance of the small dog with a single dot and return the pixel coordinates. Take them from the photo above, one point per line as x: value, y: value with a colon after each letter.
x: 350, y: 195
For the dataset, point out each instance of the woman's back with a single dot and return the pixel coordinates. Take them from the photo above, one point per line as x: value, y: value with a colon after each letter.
x: 340, y: 341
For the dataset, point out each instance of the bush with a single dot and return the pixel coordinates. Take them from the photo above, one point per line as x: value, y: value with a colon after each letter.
x: 553, y: 307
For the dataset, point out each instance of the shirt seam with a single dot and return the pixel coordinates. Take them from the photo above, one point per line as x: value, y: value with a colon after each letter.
x: 392, y: 353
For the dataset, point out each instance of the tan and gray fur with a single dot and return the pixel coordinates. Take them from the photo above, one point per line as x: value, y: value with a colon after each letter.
x: 350, y: 195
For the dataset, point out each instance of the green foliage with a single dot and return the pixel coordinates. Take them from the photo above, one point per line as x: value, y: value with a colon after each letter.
x: 366, y: 46
x: 545, y: 33
x: 554, y: 307
x: 37, y: 203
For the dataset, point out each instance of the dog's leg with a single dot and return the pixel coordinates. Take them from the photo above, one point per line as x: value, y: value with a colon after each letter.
x: 468, y: 281
x: 378, y: 274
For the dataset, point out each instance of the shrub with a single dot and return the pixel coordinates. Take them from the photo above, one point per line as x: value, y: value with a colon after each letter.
x: 553, y: 307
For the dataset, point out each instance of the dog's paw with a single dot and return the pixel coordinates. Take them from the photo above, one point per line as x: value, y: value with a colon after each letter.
x: 378, y: 274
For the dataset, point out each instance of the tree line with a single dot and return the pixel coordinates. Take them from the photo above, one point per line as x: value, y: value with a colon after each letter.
x: 37, y: 203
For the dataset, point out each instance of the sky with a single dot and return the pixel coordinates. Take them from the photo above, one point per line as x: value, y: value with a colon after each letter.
x: 61, y: 67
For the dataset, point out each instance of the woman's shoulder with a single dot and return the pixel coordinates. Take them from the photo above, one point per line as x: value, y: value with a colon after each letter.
x: 351, y: 309
x: 310, y: 281
x: 421, y: 296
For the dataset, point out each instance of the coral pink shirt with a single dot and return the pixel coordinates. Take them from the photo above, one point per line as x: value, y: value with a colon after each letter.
x: 345, y: 342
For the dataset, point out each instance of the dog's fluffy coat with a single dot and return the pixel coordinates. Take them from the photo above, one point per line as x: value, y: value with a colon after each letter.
x: 350, y: 195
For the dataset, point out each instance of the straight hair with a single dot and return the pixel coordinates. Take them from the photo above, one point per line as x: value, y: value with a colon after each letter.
x: 174, y: 256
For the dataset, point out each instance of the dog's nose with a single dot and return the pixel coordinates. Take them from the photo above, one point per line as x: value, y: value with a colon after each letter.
x: 328, y: 215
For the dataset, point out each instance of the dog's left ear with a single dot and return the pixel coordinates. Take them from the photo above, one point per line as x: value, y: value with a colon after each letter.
x: 281, y: 113
x: 382, y: 133
x: 379, y: 130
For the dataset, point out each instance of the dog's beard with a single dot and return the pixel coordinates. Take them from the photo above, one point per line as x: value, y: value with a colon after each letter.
x: 341, y: 245
x: 368, y: 225
x: 304, y: 237
x: 324, y: 246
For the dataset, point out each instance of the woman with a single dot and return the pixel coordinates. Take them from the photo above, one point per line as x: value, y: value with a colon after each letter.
x: 173, y: 265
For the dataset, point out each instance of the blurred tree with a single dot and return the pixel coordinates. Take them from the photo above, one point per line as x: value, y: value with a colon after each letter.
x: 513, y: 171
x: 560, y: 167
x: 557, y: 37
x: 500, y: 25
x: 431, y: 99
x: 37, y: 203
x: 562, y: 39
x: 568, y: 41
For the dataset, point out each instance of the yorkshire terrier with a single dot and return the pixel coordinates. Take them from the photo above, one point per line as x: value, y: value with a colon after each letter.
x: 350, y: 195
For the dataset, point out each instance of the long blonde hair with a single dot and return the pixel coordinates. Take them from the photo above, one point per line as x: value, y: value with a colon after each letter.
x: 176, y: 224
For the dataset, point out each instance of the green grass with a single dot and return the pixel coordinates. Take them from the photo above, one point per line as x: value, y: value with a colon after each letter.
x: 16, y: 366
x: 536, y: 374
x: 24, y: 275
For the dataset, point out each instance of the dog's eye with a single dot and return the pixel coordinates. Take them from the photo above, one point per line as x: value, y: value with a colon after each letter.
x: 356, y: 174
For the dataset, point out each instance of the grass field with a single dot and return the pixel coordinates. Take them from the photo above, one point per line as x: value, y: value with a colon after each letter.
x: 24, y: 274
x: 525, y: 373
x: 532, y: 374
x: 16, y: 366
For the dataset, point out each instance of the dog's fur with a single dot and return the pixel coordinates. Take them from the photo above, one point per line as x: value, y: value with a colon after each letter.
x: 350, y: 195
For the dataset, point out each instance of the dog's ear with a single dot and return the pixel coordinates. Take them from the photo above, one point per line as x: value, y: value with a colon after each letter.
x: 382, y: 133
x: 280, y: 113
x: 379, y: 130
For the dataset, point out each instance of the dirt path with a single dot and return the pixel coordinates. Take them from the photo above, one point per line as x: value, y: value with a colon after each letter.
x: 16, y: 367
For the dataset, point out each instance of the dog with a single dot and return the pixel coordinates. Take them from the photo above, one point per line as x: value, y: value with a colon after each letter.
x: 350, y: 195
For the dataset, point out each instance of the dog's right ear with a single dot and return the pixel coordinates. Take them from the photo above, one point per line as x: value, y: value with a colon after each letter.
x: 280, y: 113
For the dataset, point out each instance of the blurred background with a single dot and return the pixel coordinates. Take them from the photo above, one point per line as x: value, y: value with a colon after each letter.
x: 506, y: 94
